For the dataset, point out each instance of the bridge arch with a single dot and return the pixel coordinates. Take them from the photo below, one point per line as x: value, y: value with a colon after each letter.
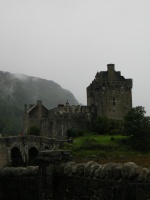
x: 16, y: 157
x: 32, y: 155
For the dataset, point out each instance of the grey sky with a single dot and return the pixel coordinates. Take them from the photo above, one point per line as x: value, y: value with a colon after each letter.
x: 68, y: 41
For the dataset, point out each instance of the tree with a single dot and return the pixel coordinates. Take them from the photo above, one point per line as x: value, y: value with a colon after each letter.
x: 104, y: 125
x: 137, y: 126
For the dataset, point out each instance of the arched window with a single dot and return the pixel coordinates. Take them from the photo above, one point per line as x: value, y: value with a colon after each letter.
x: 16, y: 157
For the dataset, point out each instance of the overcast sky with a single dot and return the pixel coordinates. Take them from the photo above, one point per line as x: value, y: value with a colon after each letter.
x: 68, y: 41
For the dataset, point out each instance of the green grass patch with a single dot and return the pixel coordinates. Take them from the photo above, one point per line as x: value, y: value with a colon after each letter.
x: 106, y: 148
x: 102, y: 139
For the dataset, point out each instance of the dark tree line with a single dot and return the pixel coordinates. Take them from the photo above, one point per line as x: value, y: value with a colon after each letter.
x: 137, y: 126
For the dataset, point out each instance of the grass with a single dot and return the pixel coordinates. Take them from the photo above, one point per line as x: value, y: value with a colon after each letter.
x: 106, y: 148
x: 102, y: 139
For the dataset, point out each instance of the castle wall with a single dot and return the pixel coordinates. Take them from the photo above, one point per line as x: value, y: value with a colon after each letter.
x: 20, y: 183
x: 62, y: 122
x: 67, y: 117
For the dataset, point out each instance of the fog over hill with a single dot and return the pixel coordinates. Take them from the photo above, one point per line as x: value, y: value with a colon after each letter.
x: 17, y: 90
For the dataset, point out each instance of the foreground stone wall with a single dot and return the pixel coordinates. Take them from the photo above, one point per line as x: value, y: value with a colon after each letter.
x: 32, y: 183
x: 92, y: 181
x: 20, y: 183
x: 56, y: 180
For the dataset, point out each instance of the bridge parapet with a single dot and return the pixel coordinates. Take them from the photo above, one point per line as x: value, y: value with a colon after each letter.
x: 11, y: 139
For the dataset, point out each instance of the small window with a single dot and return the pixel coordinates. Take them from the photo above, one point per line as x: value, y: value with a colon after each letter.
x: 114, y: 101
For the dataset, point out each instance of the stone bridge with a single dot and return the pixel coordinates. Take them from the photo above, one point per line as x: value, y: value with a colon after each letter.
x: 22, y: 150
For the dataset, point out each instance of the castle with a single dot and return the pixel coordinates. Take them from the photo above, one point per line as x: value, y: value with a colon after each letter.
x: 109, y: 94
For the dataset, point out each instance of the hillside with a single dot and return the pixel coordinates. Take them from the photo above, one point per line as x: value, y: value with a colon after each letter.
x: 17, y: 90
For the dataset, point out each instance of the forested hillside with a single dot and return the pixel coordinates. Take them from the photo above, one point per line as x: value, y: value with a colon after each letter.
x: 17, y: 90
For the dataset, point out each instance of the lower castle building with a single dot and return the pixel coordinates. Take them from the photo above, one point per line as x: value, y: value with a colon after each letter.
x: 109, y: 94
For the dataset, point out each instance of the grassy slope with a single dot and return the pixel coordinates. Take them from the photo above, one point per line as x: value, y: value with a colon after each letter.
x: 106, y: 149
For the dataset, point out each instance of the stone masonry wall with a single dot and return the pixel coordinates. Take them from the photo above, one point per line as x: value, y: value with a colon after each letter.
x: 111, y: 93
x: 4, y: 157
x: 20, y: 183
x: 92, y: 181
x: 56, y: 180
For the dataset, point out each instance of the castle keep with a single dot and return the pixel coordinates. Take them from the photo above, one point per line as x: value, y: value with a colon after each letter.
x: 109, y: 94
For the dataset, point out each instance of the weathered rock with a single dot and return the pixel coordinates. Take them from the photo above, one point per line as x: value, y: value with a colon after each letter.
x: 94, y: 167
x: 104, y: 169
x: 134, y: 173
x: 59, y: 169
x: 98, y: 171
x: 126, y: 170
x: 7, y: 171
x: 113, y: 171
x: 117, y: 172
x: 87, y: 167
x: 68, y: 168
x: 144, y: 175
x: 32, y: 170
x: 19, y: 171
x: 78, y: 169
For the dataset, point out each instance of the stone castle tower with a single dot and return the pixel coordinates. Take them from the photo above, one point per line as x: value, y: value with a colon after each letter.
x: 111, y: 93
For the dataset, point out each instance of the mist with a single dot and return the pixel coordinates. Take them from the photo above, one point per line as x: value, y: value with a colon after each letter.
x: 69, y: 41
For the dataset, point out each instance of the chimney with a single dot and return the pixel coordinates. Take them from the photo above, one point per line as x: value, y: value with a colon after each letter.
x: 111, y: 71
x: 25, y: 108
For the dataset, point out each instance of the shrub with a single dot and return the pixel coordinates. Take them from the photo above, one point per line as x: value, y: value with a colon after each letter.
x: 74, y: 133
x: 104, y: 125
x: 115, y: 132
